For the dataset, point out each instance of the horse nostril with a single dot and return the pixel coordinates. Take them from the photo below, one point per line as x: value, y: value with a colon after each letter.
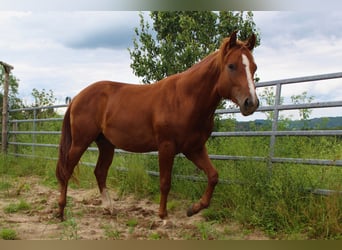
x: 247, y: 103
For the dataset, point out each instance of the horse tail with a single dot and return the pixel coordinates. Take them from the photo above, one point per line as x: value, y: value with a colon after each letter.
x: 62, y: 172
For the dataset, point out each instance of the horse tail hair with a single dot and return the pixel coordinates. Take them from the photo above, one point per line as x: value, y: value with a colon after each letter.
x: 62, y: 172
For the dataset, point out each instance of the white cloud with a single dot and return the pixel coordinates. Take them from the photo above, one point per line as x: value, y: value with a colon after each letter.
x: 57, y: 50
x: 296, y: 44
x: 73, y: 70
x: 61, y: 5
x: 87, y: 29
x: 303, y: 57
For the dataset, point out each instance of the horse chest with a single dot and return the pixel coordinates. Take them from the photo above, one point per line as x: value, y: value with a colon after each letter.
x: 194, y: 135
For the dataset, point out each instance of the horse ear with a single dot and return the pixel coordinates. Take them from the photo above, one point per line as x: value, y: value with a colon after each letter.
x: 227, y: 44
x: 232, y: 39
x: 251, y: 42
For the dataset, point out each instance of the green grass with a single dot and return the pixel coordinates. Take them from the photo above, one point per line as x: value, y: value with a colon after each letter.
x: 17, y: 207
x: 155, y: 236
x: 4, y: 185
x: 131, y: 223
x: 279, y: 204
x: 70, y: 225
x: 8, y: 234
x: 111, y: 233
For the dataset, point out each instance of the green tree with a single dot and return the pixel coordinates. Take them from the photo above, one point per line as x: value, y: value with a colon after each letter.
x: 43, y: 98
x: 304, y: 113
x: 267, y: 98
x: 303, y: 98
x: 179, y: 39
x: 13, y: 100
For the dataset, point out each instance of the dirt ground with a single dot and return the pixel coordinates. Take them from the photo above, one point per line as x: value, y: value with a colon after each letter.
x: 86, y: 218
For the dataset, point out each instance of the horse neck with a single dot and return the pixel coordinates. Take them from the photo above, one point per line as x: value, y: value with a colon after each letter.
x: 201, y: 83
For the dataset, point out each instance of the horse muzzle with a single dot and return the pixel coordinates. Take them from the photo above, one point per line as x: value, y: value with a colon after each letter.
x: 249, y: 106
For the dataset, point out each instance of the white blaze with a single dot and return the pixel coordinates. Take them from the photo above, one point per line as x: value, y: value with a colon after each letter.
x: 250, y: 81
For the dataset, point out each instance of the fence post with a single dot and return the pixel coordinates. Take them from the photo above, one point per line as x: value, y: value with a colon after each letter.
x: 34, y: 139
x: 274, y: 126
x: 14, y: 138
x: 7, y: 69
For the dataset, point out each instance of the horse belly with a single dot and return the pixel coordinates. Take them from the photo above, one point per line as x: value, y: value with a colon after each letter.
x: 135, y: 144
x: 131, y: 137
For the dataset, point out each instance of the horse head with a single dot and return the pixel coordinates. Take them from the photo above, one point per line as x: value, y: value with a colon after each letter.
x: 236, y: 80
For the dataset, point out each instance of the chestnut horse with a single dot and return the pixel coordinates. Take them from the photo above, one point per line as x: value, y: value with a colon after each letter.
x: 172, y: 116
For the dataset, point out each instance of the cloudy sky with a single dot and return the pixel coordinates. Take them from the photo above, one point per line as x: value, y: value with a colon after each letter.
x: 66, y: 50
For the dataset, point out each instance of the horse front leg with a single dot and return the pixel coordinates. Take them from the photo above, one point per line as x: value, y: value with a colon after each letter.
x: 201, y: 160
x: 166, y: 155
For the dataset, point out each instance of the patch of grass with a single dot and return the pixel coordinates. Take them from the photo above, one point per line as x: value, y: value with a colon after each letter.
x: 111, y: 233
x: 154, y: 236
x: 22, y: 187
x: 172, y: 205
x: 17, y: 207
x: 135, y: 180
x: 8, y: 234
x: 131, y: 223
x: 5, y: 186
x: 207, y: 231
x: 280, y: 203
x: 70, y: 226
x: 213, y: 214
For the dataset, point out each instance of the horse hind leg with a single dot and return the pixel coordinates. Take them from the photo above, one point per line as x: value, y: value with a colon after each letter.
x: 64, y: 173
x: 106, y: 153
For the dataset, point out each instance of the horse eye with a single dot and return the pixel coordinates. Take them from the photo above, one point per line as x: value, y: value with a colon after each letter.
x: 231, y: 66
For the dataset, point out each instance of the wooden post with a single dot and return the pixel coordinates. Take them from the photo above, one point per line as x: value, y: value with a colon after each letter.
x: 15, y: 129
x: 8, y: 69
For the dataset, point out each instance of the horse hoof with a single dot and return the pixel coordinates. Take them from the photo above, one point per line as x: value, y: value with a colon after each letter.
x: 163, y: 216
x: 190, y: 212
x: 59, y: 216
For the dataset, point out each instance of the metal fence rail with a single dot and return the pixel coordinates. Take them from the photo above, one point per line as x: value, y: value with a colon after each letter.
x: 273, y: 133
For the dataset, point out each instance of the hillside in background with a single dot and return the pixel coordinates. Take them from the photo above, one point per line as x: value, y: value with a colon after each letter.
x: 318, y: 123
x: 323, y: 123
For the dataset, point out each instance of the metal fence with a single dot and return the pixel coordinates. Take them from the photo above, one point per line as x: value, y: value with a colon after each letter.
x: 273, y: 133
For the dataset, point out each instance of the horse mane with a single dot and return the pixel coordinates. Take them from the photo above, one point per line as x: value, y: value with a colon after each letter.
x: 209, y: 59
x: 217, y: 58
